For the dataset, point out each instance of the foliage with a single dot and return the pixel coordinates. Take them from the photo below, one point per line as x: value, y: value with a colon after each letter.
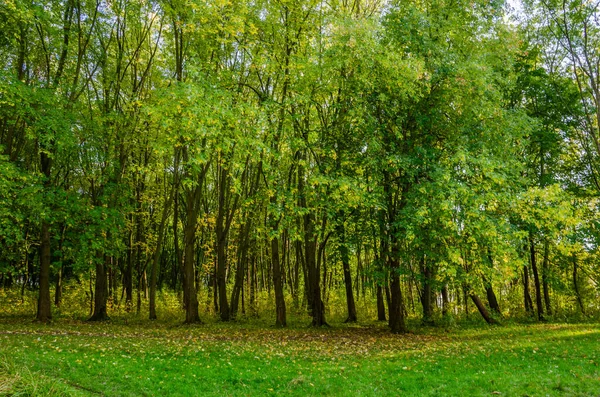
x: 377, y: 153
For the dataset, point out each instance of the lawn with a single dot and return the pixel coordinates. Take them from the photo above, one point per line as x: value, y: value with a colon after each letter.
x: 169, y: 359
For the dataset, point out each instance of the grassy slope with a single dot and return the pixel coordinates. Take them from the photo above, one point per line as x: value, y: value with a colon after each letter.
x: 240, y: 359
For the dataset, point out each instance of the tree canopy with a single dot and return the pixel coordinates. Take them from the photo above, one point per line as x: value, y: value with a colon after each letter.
x: 257, y: 156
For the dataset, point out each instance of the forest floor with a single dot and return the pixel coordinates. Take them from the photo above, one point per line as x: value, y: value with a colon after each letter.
x: 220, y: 359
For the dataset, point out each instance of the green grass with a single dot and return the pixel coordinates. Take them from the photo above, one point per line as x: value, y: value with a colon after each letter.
x: 21, y: 381
x: 144, y: 358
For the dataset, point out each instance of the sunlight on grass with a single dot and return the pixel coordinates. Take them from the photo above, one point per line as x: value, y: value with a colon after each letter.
x: 217, y: 359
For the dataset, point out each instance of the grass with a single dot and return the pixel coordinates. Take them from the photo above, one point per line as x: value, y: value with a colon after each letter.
x: 15, y: 381
x: 247, y: 358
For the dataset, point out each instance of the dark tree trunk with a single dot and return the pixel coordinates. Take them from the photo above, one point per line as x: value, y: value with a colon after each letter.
x: 224, y: 313
x: 297, y: 270
x: 241, y: 267
x: 100, y: 290
x: 445, y: 300
x: 482, y: 310
x: 141, y: 267
x: 358, y: 268
x: 178, y: 259
x: 536, y: 278
x: 214, y: 288
x: 221, y: 241
x: 112, y: 274
x: 111, y: 286
x: 388, y: 297
x: 396, y: 312
x: 252, y: 280
x: 465, y: 301
x: 91, y: 294
x: 317, y: 309
x: 154, y: 271
x: 44, y: 313
x: 59, y: 286
x: 189, y: 280
x: 526, y: 295
x: 380, y: 304
x: 280, y: 320
x: 489, y: 290
x: 545, y: 271
x: 492, y: 300
x: 307, y: 280
x: 390, y: 232
x: 128, y: 274
x: 576, y: 286
x: 396, y: 306
x: 426, y: 293
x: 322, y: 264
x: 347, y: 276
x: 316, y: 306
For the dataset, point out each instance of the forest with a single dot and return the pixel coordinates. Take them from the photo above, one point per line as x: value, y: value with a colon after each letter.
x: 349, y: 194
x: 427, y: 158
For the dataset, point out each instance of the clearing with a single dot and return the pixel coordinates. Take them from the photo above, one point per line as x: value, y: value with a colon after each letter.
x: 148, y: 358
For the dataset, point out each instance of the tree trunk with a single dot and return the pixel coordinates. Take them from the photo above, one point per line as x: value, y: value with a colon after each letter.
x: 141, y: 270
x: 380, y: 304
x: 322, y: 264
x: 252, y: 280
x: 545, y: 271
x: 346, y: 269
x: 44, y: 313
x: 91, y: 293
x: 396, y: 306
x: 482, y: 310
x: 213, y: 285
x: 426, y: 293
x: 390, y: 232
x: 536, y: 278
x: 189, y: 279
x: 576, y: 286
x: 100, y: 290
x: 128, y: 274
x: 396, y: 315
x: 221, y: 241
x: 358, y: 269
x: 178, y: 260
x: 280, y: 320
x: 317, y: 309
x: 59, y: 286
x: 224, y: 313
x: 492, y: 300
x: 241, y: 267
x: 491, y: 297
x: 111, y: 286
x: 465, y: 301
x: 156, y: 258
x: 526, y: 295
x: 445, y: 300
x: 297, y: 269
x: 489, y: 290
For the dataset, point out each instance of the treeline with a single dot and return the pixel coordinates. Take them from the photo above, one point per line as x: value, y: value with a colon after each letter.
x: 439, y: 149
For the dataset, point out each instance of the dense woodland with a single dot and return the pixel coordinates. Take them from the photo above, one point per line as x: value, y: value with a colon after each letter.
x: 429, y: 157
